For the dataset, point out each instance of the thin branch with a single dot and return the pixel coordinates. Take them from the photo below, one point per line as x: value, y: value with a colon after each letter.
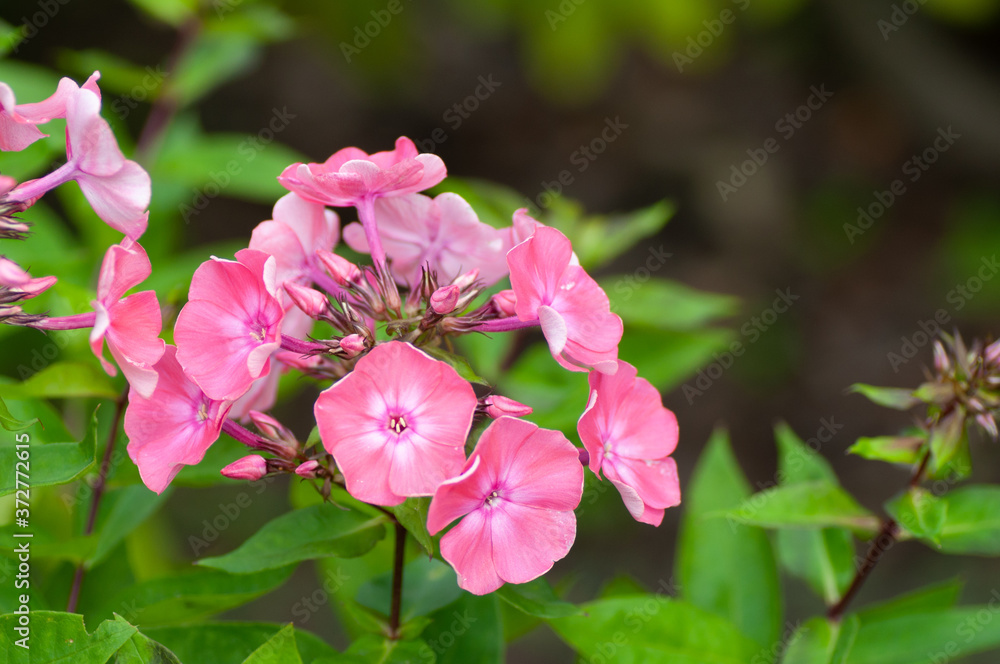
x: 397, y: 581
x: 95, y: 499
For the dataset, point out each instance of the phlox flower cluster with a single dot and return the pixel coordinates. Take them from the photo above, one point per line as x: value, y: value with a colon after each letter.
x: 395, y: 418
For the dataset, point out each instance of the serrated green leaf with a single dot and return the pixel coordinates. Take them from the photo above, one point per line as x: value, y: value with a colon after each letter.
x: 723, y: 566
x: 893, y: 449
x: 318, y: 531
x: 890, y: 397
x: 59, y: 638
x: 536, y: 598
x: 807, y: 505
x: 141, y: 649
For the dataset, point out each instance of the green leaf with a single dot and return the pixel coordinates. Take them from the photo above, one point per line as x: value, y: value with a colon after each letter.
x: 670, y: 357
x: 122, y: 511
x: 972, y: 521
x: 62, y: 380
x: 948, y: 440
x: 456, y: 362
x: 279, y: 649
x: 599, y: 239
x: 651, y: 629
x: 942, y: 595
x: 466, y: 631
x: 536, y: 598
x: 920, y: 512
x: 893, y: 449
x: 215, y: 58
x: 428, y: 585
x: 412, y: 514
x: 191, y: 596
x: 823, y: 558
x: 50, y: 463
x: 807, y: 505
x: 819, y: 641
x: 141, y: 649
x: 171, y: 12
x: 890, y: 397
x: 317, y: 531
x: 233, y: 642
x: 59, y: 638
x: 724, y: 567
x: 931, y: 636
x: 373, y: 649
x: 665, y: 304
x: 11, y: 423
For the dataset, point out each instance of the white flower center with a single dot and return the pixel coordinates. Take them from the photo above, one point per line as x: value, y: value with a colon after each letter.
x: 397, y: 424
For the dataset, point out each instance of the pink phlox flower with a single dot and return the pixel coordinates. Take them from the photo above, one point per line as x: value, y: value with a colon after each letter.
x: 523, y: 226
x: 630, y: 435
x: 173, y: 427
x: 19, y: 284
x: 517, y: 494
x: 263, y: 392
x: 17, y: 122
x: 443, y: 233
x: 351, y: 175
x: 131, y: 325
x: 397, y: 424
x: 231, y: 324
x: 573, y: 310
x: 297, y: 229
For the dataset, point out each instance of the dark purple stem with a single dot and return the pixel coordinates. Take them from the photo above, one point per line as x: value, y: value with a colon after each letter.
x: 505, y: 324
x: 397, y: 581
x: 256, y: 442
x: 294, y: 345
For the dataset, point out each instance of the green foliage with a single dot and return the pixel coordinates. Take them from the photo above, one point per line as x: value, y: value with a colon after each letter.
x: 820, y: 641
x: 536, y: 598
x: 50, y: 463
x: 62, y: 637
x: 890, y: 397
x: 806, y: 505
x: 233, y: 643
x: 971, y: 520
x: 893, y: 449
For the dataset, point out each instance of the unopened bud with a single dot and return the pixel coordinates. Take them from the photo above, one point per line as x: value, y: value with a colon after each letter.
x: 252, y: 467
x: 989, y: 425
x: 352, y: 344
x: 941, y: 362
x: 275, y: 430
x: 343, y: 271
x: 6, y: 184
x: 463, y: 281
x: 584, y: 456
x: 445, y: 299
x: 12, y: 275
x: 504, y: 303
x: 498, y: 406
x: 310, y: 301
x: 992, y: 353
x: 523, y: 227
x: 307, y: 469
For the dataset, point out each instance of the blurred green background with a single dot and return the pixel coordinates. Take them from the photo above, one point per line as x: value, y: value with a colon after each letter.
x: 845, y: 153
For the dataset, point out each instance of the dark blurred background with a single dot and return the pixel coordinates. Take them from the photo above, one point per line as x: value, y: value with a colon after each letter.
x: 842, y: 97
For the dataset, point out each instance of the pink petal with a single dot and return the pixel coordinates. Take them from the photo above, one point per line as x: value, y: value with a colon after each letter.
x: 133, y: 338
x: 459, y: 495
x: 120, y: 200
x: 125, y: 266
x: 468, y: 548
x: 656, y: 482
x: 527, y: 541
x: 536, y: 267
x: 419, y: 465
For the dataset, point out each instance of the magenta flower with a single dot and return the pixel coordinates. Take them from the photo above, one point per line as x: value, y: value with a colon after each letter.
x: 572, y: 309
x: 173, y: 427
x: 231, y: 324
x: 353, y: 177
x: 630, y: 435
x: 517, y: 493
x: 442, y: 232
x: 117, y: 189
x: 299, y: 228
x: 397, y: 424
x: 17, y: 122
x: 131, y: 325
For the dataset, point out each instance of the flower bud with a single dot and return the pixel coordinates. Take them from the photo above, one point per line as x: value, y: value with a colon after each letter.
x: 352, y: 344
x: 941, y: 362
x: 992, y: 353
x: 463, y: 281
x: 504, y: 303
x: 498, y: 406
x: 310, y: 301
x: 252, y: 467
x: 989, y: 425
x: 343, y: 271
x: 307, y: 469
x: 445, y: 299
x: 275, y: 430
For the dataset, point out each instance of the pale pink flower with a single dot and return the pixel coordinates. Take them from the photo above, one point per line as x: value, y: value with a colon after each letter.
x: 396, y: 425
x: 131, y: 325
x: 297, y: 229
x: 117, y: 189
x: 353, y: 177
x: 17, y: 122
x: 173, y: 427
x: 572, y: 309
x: 517, y: 494
x: 630, y: 435
x: 21, y: 284
x: 443, y: 233
x: 231, y: 324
